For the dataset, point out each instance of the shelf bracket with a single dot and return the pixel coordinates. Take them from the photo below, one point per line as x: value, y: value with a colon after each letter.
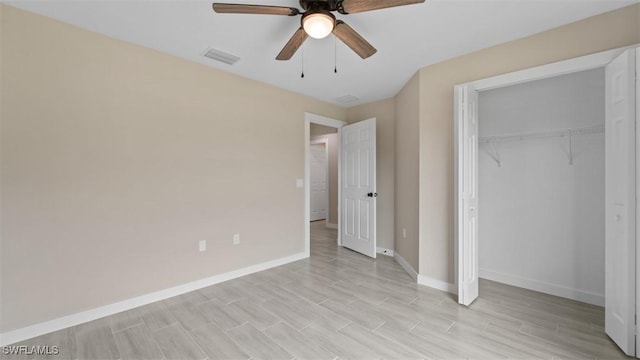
x: 496, y: 154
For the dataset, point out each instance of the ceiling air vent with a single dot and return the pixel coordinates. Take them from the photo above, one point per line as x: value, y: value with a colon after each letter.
x: 346, y: 99
x: 221, y: 56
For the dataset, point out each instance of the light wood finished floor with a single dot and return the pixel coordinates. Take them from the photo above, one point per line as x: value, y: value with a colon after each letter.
x: 340, y: 304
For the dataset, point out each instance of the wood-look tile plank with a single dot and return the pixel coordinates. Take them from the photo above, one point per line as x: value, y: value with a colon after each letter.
x: 216, y: 344
x: 452, y: 340
x: 124, y: 320
x: 189, y: 315
x: 255, y: 314
x: 337, y: 343
x: 225, y: 292
x: 529, y: 343
x: 65, y: 340
x: 175, y: 343
x: 306, y: 292
x: 297, y: 344
x: 384, y: 348
x: 573, y: 343
x: 424, y: 315
x: 156, y: 316
x: 425, y: 347
x: 256, y: 344
x: 296, y: 314
x: 224, y: 316
x: 137, y: 343
x: 488, y: 342
x: 95, y: 341
x: 354, y: 312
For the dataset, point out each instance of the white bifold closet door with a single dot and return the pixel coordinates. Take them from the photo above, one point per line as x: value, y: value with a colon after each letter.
x: 620, y: 201
x: 466, y: 139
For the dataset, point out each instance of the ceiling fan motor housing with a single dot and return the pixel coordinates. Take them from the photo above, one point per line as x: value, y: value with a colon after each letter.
x: 328, y: 5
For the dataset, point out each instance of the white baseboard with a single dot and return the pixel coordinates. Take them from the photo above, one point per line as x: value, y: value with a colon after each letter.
x: 437, y: 284
x: 405, y: 265
x: 544, y: 287
x: 383, y: 251
x: 46, y: 327
x: 331, y: 226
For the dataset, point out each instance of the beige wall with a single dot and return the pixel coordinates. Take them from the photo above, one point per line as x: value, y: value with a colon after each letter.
x: 332, y: 144
x: 384, y: 112
x: 116, y: 159
x: 317, y: 129
x: 607, y: 31
x: 407, y: 171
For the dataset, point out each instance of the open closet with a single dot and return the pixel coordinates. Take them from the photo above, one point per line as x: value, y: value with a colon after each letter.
x: 541, y: 185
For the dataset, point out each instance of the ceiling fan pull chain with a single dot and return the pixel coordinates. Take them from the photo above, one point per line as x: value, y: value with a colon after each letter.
x: 302, y: 62
x: 335, y: 54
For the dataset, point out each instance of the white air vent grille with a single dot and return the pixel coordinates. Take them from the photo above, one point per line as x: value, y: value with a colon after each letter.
x: 346, y: 99
x: 221, y: 56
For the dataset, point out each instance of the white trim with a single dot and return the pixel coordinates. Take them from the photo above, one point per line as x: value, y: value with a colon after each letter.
x: 64, y: 322
x: 637, y: 189
x: 544, y: 287
x: 321, y: 120
x: 405, y: 265
x: 331, y: 226
x: 437, y: 284
x: 384, y: 251
x: 569, y: 66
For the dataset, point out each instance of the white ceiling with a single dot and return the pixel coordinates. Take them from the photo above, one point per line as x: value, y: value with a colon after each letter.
x: 407, y: 38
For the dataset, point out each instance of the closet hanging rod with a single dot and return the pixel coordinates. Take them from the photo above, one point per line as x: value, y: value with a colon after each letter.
x: 542, y: 135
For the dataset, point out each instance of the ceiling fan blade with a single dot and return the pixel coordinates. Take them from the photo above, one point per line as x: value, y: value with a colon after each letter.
x: 353, y: 40
x: 293, y: 45
x: 223, y: 8
x: 356, y: 6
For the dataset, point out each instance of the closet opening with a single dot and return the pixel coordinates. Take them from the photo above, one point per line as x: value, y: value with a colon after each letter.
x: 541, y: 186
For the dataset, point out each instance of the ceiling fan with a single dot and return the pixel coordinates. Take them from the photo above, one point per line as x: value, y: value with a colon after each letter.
x: 318, y: 21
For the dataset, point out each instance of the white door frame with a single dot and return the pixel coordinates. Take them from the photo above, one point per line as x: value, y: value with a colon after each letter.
x: 582, y: 63
x: 325, y: 142
x: 320, y: 120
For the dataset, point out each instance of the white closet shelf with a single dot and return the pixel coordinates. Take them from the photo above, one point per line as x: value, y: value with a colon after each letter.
x: 570, y: 133
x: 542, y: 135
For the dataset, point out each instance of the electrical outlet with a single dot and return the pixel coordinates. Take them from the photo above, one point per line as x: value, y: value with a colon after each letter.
x: 202, y: 245
x: 404, y: 233
x: 236, y: 239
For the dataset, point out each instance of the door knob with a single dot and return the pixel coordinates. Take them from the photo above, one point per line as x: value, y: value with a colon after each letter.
x: 372, y: 194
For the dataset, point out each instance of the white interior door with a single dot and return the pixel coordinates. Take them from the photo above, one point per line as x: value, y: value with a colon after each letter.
x: 620, y: 202
x: 319, y: 186
x: 358, y: 153
x: 466, y: 137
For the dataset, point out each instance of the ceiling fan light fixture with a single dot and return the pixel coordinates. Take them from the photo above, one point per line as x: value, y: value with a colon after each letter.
x: 318, y: 24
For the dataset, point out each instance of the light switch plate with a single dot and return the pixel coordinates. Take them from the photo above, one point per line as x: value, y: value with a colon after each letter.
x: 300, y: 183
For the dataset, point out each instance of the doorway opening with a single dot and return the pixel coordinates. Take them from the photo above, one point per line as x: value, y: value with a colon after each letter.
x: 322, y: 178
